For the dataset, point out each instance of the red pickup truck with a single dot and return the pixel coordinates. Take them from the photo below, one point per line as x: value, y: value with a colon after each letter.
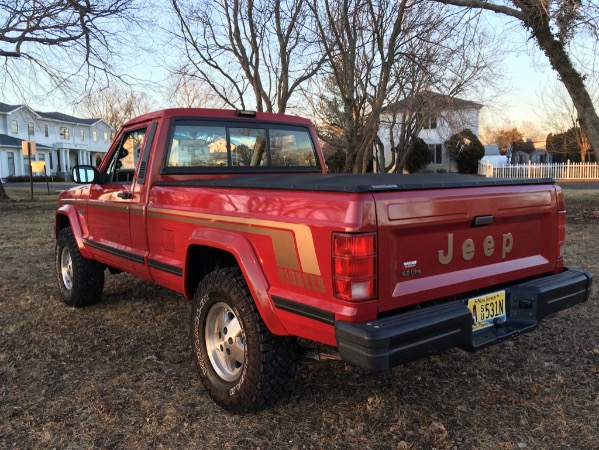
x: 235, y: 211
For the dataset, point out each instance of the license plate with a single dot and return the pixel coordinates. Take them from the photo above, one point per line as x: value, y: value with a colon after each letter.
x: 486, y: 309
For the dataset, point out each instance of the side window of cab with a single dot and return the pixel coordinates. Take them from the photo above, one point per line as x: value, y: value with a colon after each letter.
x: 123, y: 161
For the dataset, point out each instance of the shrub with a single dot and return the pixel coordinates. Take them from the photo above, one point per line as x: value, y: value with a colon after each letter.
x: 418, y: 157
x: 465, y: 148
x: 37, y: 178
x: 336, y: 162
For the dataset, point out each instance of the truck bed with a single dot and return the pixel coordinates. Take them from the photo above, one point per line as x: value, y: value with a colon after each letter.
x: 356, y: 183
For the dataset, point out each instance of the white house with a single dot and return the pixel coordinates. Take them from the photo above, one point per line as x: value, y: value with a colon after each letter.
x: 62, y: 141
x: 440, y: 117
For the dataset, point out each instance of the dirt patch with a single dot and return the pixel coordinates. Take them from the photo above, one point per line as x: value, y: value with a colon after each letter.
x: 120, y: 374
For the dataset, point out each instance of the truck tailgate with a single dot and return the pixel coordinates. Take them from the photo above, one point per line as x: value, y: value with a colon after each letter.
x: 446, y: 242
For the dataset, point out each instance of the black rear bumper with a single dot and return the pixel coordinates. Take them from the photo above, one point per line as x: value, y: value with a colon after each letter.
x: 384, y: 343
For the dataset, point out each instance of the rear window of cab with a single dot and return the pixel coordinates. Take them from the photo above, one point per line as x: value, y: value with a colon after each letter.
x: 196, y: 146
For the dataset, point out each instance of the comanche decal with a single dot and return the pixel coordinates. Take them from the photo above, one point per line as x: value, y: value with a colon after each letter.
x: 285, y: 236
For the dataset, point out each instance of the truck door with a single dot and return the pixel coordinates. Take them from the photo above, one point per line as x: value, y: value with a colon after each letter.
x: 110, y: 203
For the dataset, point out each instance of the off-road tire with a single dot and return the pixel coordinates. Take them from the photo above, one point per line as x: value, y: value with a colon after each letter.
x: 80, y: 280
x: 268, y: 365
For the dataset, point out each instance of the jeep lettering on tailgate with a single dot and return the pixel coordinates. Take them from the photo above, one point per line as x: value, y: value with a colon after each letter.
x: 468, y: 248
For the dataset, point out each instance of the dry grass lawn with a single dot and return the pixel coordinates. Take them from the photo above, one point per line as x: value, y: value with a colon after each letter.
x: 119, y: 375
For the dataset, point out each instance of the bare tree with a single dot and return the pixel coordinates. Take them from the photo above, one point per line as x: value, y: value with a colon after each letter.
x: 502, y: 136
x: 360, y: 40
x: 560, y: 115
x: 186, y: 91
x: 49, y: 45
x: 450, y: 57
x: 532, y: 131
x: 248, y: 48
x: 52, y: 44
x: 115, y: 105
x: 552, y: 24
x: 381, y: 52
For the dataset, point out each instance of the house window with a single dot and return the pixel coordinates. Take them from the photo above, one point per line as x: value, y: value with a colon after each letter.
x: 11, y: 163
x: 106, y: 138
x: 15, y: 127
x: 436, y: 153
x: 30, y: 129
x: 82, y: 135
x: 64, y: 133
x: 430, y: 123
x: 46, y: 130
x: 95, y: 136
x: 26, y: 166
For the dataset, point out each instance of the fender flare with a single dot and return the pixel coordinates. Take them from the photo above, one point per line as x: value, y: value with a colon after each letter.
x: 70, y: 212
x: 243, y: 251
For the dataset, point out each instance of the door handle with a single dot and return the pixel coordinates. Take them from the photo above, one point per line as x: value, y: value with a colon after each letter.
x: 124, y: 195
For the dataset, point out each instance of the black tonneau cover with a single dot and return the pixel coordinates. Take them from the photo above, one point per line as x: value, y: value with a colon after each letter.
x: 357, y: 182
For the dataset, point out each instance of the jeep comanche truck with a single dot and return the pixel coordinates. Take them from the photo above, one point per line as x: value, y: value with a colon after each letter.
x: 235, y: 211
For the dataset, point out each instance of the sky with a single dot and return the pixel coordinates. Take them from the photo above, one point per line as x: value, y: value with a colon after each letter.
x: 524, y: 73
x: 526, y: 79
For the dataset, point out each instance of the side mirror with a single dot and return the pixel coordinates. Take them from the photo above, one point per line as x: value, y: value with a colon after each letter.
x: 85, y: 174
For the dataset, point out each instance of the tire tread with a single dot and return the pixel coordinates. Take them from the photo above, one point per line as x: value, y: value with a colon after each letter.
x: 88, y: 275
x: 275, y: 366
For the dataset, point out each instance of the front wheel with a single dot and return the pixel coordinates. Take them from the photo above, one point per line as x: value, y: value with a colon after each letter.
x: 80, y: 280
x: 241, y: 364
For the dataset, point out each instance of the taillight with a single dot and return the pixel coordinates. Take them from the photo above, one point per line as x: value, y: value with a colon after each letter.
x: 354, y: 265
x: 561, y: 229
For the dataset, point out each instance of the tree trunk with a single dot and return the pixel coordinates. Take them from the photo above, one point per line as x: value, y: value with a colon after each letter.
x: 3, y: 196
x: 572, y: 80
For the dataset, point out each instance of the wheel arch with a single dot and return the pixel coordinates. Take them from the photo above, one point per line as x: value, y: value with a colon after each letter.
x: 210, y: 250
x: 66, y: 217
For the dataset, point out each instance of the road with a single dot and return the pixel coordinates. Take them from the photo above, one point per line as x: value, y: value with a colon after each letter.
x: 579, y: 185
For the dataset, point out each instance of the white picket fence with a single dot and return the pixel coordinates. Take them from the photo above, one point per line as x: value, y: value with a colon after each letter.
x: 557, y: 171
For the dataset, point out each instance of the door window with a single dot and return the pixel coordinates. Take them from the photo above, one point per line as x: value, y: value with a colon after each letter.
x: 124, y: 160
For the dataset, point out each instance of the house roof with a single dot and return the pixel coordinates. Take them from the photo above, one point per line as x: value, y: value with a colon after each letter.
x: 57, y: 116
x: 10, y: 141
x: 428, y: 100
x: 527, y: 147
x: 5, y: 107
x: 66, y: 118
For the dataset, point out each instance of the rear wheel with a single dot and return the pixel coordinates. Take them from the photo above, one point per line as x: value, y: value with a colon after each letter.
x: 243, y: 366
x: 80, y: 280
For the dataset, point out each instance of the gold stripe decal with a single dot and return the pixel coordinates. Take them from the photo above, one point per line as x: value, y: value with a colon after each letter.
x: 283, y: 235
x: 70, y: 201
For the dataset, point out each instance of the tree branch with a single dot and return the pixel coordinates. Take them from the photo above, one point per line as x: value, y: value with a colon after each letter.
x: 500, y: 9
